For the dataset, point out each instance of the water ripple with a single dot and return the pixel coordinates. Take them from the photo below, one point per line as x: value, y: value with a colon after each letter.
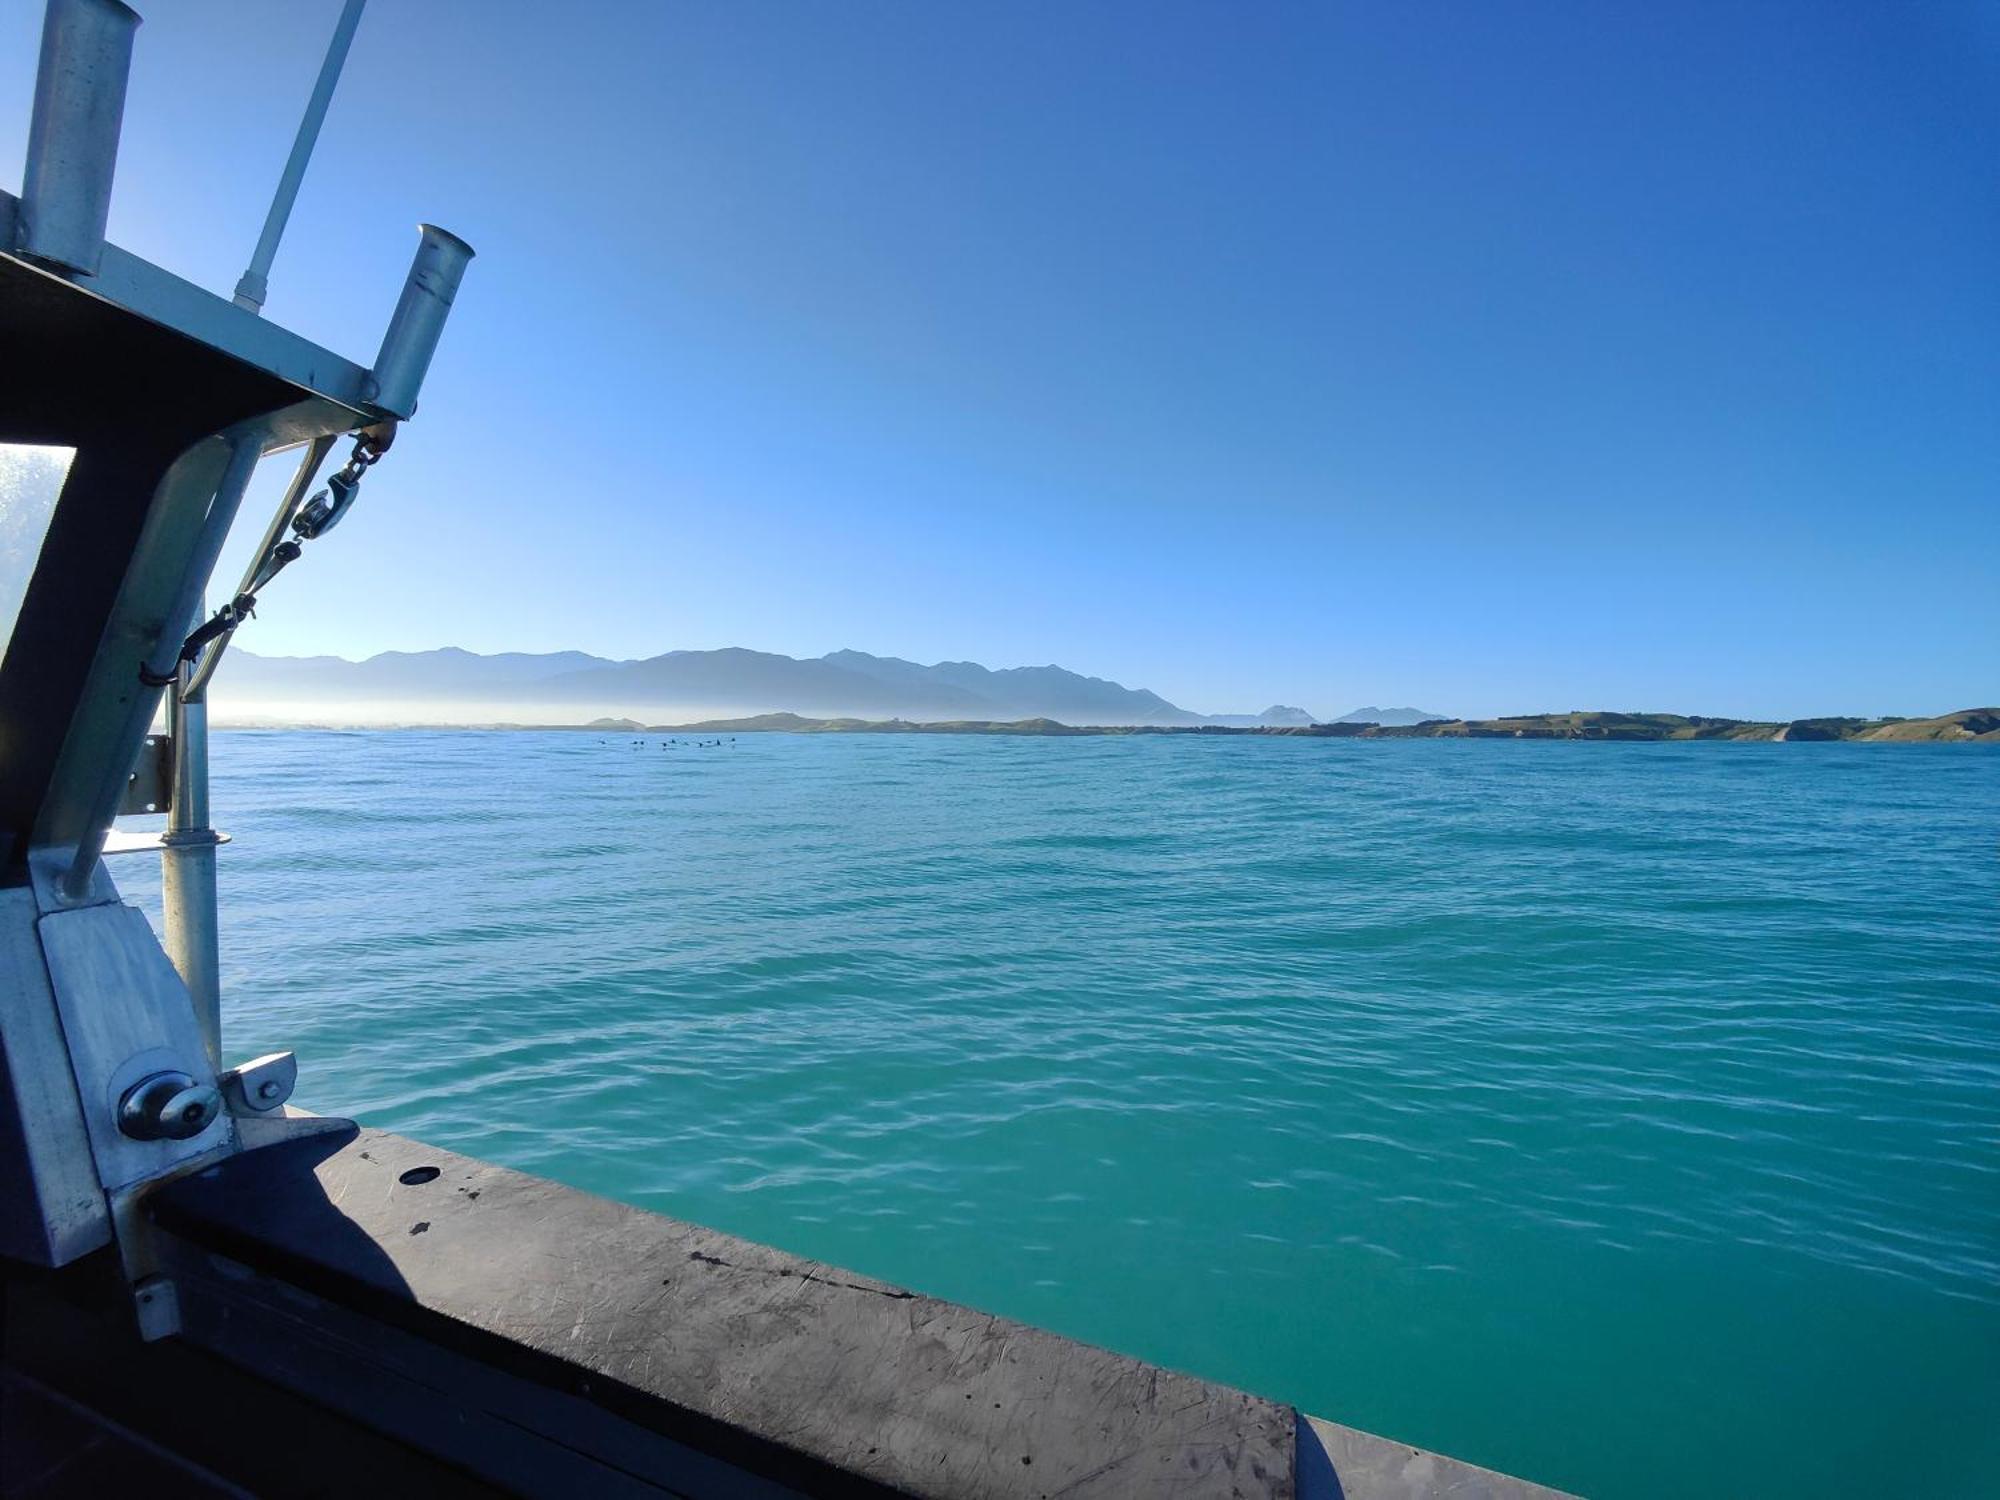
x: 1486, y: 1094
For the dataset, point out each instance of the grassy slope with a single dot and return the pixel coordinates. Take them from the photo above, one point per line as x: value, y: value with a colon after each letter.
x: 1966, y: 724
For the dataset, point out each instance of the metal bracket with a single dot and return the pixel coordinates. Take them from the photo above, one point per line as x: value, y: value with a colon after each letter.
x: 150, y: 787
x: 260, y: 1086
x: 126, y: 1015
x: 158, y: 1306
x: 119, y: 841
x: 148, y: 1257
x: 287, y: 1124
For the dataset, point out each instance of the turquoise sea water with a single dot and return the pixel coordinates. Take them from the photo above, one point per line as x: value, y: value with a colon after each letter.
x: 1624, y: 1116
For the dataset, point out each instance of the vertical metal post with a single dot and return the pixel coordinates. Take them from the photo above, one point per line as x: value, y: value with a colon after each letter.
x: 255, y: 285
x: 73, y: 136
x: 163, y: 659
x: 187, y: 866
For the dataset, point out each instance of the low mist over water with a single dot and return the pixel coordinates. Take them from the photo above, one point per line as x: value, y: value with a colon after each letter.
x: 1617, y: 1115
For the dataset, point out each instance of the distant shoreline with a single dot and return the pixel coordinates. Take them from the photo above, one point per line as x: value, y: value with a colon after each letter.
x: 1972, y: 725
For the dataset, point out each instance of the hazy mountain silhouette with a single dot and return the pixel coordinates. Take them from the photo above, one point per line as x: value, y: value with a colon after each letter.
x: 451, y: 685
x: 446, y: 673
x: 1389, y: 716
x: 1278, y: 715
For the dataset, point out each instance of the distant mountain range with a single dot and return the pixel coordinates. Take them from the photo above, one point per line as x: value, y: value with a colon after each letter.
x: 1277, y: 715
x: 454, y: 686
x: 1390, y: 716
x: 1965, y: 726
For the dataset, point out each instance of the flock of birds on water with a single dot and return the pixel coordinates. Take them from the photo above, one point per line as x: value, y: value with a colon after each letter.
x: 715, y: 744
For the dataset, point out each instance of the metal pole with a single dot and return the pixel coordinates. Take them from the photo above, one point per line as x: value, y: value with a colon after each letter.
x: 255, y: 285
x: 187, y: 867
x: 73, y: 135
x: 302, y: 478
x: 164, y: 658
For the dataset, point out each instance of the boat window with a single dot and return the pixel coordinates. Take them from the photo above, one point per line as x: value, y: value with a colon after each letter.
x: 31, y: 476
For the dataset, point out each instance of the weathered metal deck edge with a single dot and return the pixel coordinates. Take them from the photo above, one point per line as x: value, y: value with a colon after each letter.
x: 1366, y: 1467
x: 809, y: 1376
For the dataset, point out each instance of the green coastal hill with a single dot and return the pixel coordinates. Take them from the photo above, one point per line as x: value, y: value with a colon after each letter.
x: 1970, y: 724
x: 1966, y: 724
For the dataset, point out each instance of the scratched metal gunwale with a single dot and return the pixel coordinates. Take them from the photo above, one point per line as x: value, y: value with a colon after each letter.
x: 785, y: 1364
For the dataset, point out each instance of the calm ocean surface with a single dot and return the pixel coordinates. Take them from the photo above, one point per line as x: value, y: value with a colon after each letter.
x: 1623, y: 1116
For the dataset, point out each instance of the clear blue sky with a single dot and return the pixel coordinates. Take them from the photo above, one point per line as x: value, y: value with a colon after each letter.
x: 1485, y: 356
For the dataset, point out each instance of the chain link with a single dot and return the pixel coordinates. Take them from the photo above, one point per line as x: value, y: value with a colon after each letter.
x: 314, y: 519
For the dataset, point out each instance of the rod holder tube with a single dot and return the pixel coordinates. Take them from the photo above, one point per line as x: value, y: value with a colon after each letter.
x: 73, y: 137
x: 418, y: 322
